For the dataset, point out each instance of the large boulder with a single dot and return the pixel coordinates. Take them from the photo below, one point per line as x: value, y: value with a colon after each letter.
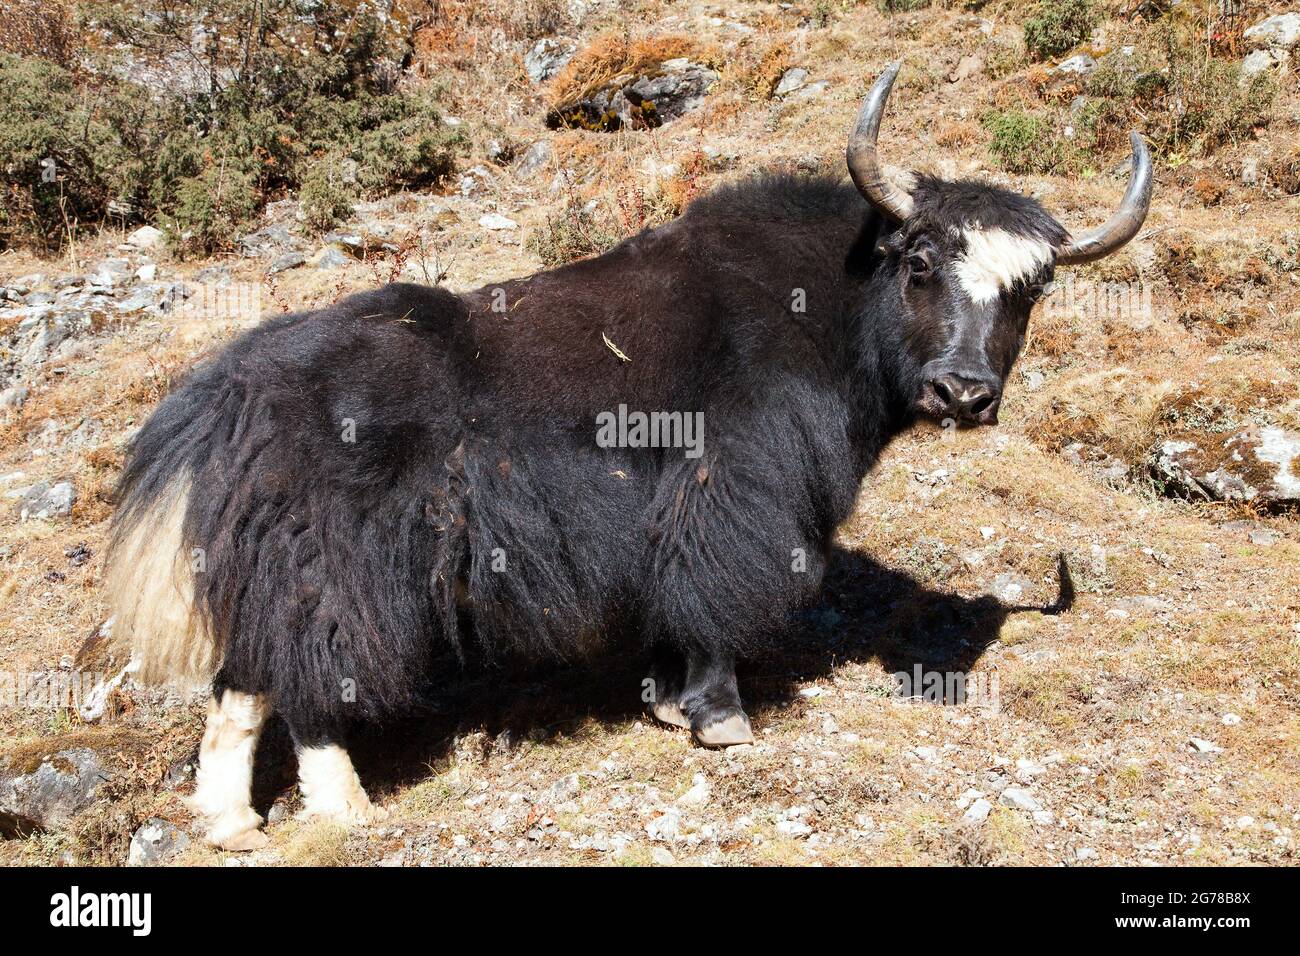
x: 45, y: 795
x: 1280, y: 31
x: 639, y: 101
x: 1259, y: 466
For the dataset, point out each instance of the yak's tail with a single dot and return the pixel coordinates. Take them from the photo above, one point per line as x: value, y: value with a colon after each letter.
x: 150, y: 581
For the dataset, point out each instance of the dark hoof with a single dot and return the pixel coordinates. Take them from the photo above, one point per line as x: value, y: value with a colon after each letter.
x: 670, y: 713
x: 728, y: 732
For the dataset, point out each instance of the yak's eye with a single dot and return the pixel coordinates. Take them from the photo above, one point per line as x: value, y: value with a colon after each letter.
x: 920, y: 264
x: 1040, y: 290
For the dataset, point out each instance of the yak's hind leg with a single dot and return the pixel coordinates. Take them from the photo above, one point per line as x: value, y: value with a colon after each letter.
x: 223, y: 795
x: 331, y: 789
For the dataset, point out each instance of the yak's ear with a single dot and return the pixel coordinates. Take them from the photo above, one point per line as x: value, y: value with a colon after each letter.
x: 867, y: 252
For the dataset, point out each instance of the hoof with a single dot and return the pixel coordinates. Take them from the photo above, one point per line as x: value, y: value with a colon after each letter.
x: 237, y: 831
x: 730, y: 732
x: 670, y: 713
x: 245, y: 842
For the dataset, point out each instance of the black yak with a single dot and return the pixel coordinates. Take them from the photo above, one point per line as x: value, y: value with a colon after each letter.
x: 340, y: 494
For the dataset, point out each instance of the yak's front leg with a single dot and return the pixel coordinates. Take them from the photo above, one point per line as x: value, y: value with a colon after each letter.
x: 711, y: 701
x: 697, y: 690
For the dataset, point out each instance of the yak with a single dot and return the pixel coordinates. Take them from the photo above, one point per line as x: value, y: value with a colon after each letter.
x: 342, y: 497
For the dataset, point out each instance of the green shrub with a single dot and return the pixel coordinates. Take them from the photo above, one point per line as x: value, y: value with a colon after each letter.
x: 1054, y: 27
x: 573, y: 233
x: 327, y: 196
x: 290, y: 94
x: 209, y: 209
x: 1024, y: 142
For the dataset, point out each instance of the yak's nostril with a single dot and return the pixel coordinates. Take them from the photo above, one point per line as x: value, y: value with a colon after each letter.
x: 981, y: 403
x: 942, y: 390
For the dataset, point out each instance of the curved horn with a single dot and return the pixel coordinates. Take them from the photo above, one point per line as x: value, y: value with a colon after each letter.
x: 1122, y: 226
x: 864, y: 165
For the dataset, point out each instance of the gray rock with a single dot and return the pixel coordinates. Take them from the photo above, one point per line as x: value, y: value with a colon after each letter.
x: 266, y: 241
x: 14, y: 397
x: 156, y: 842
x: 666, y: 827
x: 1019, y: 799
x: 1280, y: 31
x: 290, y: 260
x: 646, y: 100
x: 48, y: 796
x: 566, y: 788
x: 1254, y: 465
x: 43, y: 500
x: 534, y: 158
x: 547, y: 57
x: 662, y: 857
x: 794, y: 78
x: 497, y: 222
x: 977, y: 812
x: 146, y: 237
x: 1078, y: 65
x: 331, y: 258
x: 1011, y: 588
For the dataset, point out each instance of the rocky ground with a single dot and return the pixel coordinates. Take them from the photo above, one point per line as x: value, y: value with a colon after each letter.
x: 1149, y: 435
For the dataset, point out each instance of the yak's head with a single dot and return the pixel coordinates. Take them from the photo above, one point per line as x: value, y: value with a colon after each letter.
x: 969, y: 261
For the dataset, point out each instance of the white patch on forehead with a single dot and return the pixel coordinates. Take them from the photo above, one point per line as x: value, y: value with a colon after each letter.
x: 996, y: 259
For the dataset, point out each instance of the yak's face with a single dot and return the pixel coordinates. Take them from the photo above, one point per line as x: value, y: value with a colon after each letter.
x: 967, y: 287
x: 970, y: 260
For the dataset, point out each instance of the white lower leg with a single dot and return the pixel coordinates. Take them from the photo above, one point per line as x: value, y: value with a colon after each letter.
x: 224, y: 794
x: 330, y: 787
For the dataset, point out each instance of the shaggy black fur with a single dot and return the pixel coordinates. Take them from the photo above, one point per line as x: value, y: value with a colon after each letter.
x: 333, y: 564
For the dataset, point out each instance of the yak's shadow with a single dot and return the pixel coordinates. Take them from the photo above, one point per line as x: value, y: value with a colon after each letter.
x: 866, y: 612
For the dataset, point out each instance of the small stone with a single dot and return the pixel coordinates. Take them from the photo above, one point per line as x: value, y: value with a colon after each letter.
x: 43, y: 501
x: 794, y: 78
x: 290, y: 260
x: 147, y: 272
x: 1231, y: 720
x: 331, y: 258
x: 1202, y: 746
x: 662, y: 857
x: 1263, y: 538
x: 1245, y: 822
x: 978, y: 812
x: 1079, y: 65
x: 64, y: 784
x: 1085, y: 853
x: 146, y: 237
x: 1019, y: 799
x: 497, y: 222
x: 15, y: 396
x: 157, y: 841
x: 666, y: 827
x: 697, y: 795
x: 534, y: 158
x: 987, y: 533
x: 547, y: 57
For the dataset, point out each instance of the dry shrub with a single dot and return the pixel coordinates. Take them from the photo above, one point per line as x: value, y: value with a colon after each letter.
x: 612, y: 54
x: 1117, y: 410
x: 955, y: 134
x: 762, y: 68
